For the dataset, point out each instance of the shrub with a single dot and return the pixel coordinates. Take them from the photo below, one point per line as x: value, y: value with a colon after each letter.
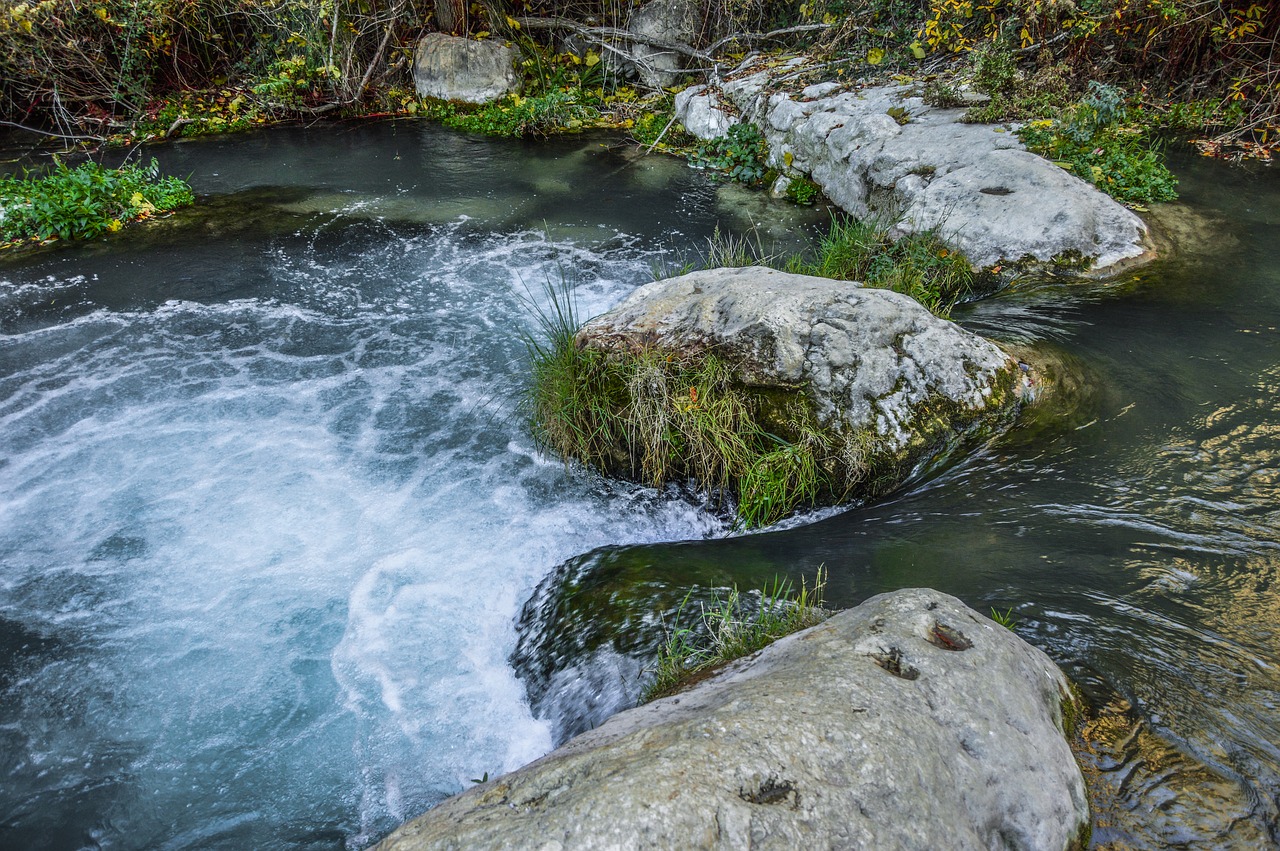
x: 75, y: 203
x: 1091, y: 141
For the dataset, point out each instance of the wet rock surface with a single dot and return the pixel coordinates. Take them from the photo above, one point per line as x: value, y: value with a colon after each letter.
x: 910, y: 721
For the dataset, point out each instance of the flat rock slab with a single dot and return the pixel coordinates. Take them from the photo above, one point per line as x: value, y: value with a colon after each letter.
x: 450, y: 68
x: 883, y: 151
x: 908, y: 722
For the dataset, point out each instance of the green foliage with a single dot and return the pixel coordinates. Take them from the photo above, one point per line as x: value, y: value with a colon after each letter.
x: 918, y: 265
x: 81, y: 202
x: 994, y: 71
x: 289, y: 79
x: 1044, y: 93
x: 803, y: 191
x: 516, y: 116
x: 731, y: 627
x: 740, y: 154
x: 1091, y: 141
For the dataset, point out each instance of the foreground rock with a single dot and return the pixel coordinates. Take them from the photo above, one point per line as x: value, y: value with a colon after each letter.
x: 888, y: 384
x: 451, y: 68
x: 909, y: 722
x: 883, y: 151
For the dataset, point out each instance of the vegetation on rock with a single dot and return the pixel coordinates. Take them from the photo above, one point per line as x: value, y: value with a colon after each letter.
x: 731, y: 627
x: 81, y: 202
x: 919, y: 264
x: 123, y: 70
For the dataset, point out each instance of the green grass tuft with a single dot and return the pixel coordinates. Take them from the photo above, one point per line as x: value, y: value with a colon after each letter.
x: 919, y: 265
x: 731, y: 627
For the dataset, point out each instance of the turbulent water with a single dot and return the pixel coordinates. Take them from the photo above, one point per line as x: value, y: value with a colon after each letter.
x: 268, y: 510
x: 269, y: 513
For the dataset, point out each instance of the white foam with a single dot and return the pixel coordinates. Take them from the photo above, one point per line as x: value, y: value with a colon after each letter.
x: 288, y: 538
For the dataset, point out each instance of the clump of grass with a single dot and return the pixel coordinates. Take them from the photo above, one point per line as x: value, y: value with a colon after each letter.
x: 731, y: 627
x: 1006, y: 618
x: 655, y: 417
x: 85, y: 201
x: 919, y: 265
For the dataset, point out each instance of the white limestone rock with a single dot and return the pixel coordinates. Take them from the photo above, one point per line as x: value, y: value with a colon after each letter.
x: 866, y: 358
x: 908, y: 722
x: 451, y: 68
x: 883, y: 151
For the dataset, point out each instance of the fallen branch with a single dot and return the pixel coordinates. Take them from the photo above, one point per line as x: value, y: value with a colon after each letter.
x: 52, y: 134
x: 599, y: 34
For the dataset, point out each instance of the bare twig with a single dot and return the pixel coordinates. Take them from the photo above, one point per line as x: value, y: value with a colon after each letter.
x: 50, y: 133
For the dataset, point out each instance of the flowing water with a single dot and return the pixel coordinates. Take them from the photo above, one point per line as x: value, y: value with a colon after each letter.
x: 268, y: 513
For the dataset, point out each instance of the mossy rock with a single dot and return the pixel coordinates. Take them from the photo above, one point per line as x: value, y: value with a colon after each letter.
x: 774, y: 389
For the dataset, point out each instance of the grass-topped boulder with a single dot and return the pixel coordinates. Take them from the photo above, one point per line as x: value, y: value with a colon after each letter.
x: 771, y: 389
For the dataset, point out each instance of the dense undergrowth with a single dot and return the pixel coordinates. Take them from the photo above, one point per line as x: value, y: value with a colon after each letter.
x: 85, y: 201
x: 122, y: 70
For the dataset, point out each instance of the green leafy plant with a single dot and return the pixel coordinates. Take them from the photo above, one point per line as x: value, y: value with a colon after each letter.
x: 81, y: 202
x: 803, y: 191
x: 740, y: 154
x: 1093, y: 142
x: 731, y: 627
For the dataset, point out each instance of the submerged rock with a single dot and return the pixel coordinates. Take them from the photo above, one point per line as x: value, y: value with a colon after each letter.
x: 451, y: 68
x: 908, y: 722
x: 883, y: 151
x: 884, y: 383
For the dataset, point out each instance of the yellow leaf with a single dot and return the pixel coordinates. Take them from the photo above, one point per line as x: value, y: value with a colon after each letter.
x: 513, y: 23
x: 875, y: 56
x: 482, y: 34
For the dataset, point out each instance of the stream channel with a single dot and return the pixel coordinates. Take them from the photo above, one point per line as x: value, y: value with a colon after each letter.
x: 270, y: 520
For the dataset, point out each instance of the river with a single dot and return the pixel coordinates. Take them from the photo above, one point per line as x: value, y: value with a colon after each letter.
x: 269, y: 512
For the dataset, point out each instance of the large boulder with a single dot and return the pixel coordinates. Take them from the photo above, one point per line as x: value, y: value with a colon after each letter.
x: 888, y: 383
x: 662, y: 22
x: 882, y: 151
x: 451, y: 68
x: 908, y: 722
